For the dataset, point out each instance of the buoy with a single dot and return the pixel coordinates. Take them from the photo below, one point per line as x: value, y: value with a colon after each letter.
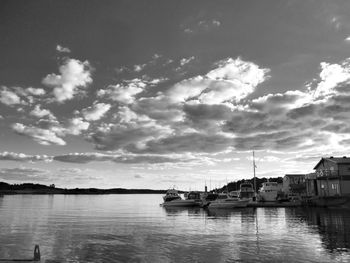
x: 36, y: 253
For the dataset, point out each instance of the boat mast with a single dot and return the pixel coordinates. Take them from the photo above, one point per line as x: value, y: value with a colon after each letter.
x: 254, y: 166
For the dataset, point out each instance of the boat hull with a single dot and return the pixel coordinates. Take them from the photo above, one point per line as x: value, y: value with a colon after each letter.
x: 180, y: 203
x: 228, y: 204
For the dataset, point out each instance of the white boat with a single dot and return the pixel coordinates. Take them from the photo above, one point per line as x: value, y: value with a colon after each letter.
x: 246, y: 191
x: 224, y: 201
x: 172, y: 198
x: 268, y: 192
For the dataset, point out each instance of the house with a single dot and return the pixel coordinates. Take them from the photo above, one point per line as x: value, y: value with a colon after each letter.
x: 333, y: 176
x: 311, y: 184
x: 294, y: 184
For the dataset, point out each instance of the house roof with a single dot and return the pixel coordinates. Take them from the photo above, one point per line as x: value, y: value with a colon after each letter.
x: 337, y: 160
x: 294, y: 175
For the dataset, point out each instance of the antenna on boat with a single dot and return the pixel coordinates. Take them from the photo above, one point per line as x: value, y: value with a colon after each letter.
x: 254, y: 166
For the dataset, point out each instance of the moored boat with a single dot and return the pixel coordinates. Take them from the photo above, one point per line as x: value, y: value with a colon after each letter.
x: 224, y: 201
x: 172, y: 198
x: 268, y: 192
x: 246, y: 191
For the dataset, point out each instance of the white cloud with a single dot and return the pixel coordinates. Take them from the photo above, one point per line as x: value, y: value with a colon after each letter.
x: 36, y: 91
x: 331, y: 75
x: 185, y: 61
x: 232, y: 79
x: 123, y: 93
x: 73, y: 74
x: 62, y: 49
x: 76, y: 126
x: 42, y: 136
x: 138, y: 68
x: 96, y: 111
x: 40, y: 113
x: 9, y: 97
x: 21, y: 157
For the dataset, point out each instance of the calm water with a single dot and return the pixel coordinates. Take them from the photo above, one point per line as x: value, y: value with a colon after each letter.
x: 134, y: 228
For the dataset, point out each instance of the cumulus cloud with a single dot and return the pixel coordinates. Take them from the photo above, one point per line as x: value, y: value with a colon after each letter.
x: 96, y: 111
x: 332, y: 75
x: 72, y: 75
x: 62, y: 49
x: 35, y: 91
x: 40, y: 113
x: 123, y: 93
x: 76, y: 126
x: 9, y: 97
x: 42, y: 136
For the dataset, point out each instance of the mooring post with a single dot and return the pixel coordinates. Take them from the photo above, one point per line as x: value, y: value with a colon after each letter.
x: 36, y: 253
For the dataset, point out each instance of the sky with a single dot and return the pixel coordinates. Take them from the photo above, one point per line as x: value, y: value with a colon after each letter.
x: 159, y: 93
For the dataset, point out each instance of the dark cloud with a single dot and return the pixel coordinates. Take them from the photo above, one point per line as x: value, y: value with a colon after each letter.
x: 97, y: 157
x: 192, y: 142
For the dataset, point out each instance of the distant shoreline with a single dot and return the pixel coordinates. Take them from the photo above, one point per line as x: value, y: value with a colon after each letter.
x: 28, y: 188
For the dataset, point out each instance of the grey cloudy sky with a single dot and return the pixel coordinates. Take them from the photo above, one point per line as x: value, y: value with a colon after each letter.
x: 158, y: 93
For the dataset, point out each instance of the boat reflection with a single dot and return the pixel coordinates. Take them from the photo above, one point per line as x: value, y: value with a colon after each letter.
x: 175, y: 210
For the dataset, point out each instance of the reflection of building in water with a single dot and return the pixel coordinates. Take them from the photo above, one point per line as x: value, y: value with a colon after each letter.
x: 333, y: 227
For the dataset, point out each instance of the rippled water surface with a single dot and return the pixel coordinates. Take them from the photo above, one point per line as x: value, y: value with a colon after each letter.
x: 134, y: 228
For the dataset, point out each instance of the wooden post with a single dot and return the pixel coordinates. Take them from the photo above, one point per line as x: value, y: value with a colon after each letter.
x: 37, y: 253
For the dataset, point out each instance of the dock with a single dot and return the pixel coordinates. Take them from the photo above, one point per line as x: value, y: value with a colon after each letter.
x: 274, y: 204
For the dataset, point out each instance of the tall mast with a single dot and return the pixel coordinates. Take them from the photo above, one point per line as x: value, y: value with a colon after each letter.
x: 254, y: 166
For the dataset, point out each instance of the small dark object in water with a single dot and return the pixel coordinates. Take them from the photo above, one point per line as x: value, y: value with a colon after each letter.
x: 36, y: 253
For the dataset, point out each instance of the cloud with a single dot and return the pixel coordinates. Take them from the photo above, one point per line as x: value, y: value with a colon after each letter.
x: 96, y: 111
x: 40, y: 113
x: 201, y: 26
x: 331, y: 76
x: 124, y: 93
x: 23, y: 174
x: 21, y: 157
x: 62, y: 49
x: 138, y: 68
x: 119, y: 158
x: 35, y: 91
x: 42, y: 136
x: 9, y: 97
x: 231, y: 79
x: 76, y: 126
x: 185, y: 61
x: 73, y: 74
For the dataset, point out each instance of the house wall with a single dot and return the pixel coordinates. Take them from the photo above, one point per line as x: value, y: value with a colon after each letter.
x: 286, y: 183
x: 345, y: 187
x: 311, y: 187
x: 344, y: 170
x: 328, y: 187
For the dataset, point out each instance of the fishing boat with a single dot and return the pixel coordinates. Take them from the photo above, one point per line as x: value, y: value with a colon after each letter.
x: 172, y: 198
x: 225, y: 201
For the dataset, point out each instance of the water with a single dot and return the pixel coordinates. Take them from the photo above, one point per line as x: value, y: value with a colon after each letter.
x: 134, y: 228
